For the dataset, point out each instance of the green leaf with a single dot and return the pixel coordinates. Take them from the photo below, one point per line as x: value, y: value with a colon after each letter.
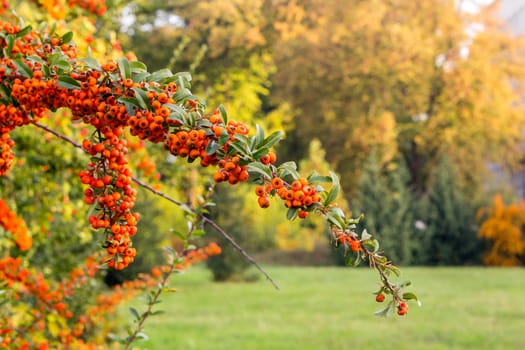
x: 260, y: 152
x: 387, y: 310
x: 288, y: 168
x: 185, y: 75
x: 335, y: 219
x: 137, y: 67
x: 160, y: 75
x: 372, y: 245
x: 23, y: 32
x: 259, y: 136
x: 260, y: 168
x: 66, y: 38
x: 332, y: 195
x: 92, y: 63
x: 224, y: 137
x: 316, y: 178
x: 158, y: 312
x: 198, y: 232
x: 124, y: 68
x: 365, y: 234
x: 10, y: 40
x: 142, y: 98
x: 353, y: 259
x: 130, y: 103
x: 272, y: 139
x: 223, y: 113
x: 53, y: 29
x: 63, y: 65
x: 292, y: 213
x: 182, y: 94
x: 411, y: 296
x: 212, y: 147
x: 182, y: 82
x: 142, y: 335
x: 140, y: 77
x: 34, y: 58
x: 5, y: 92
x: 237, y: 147
x: 68, y: 82
x: 23, y: 68
x: 135, y: 313
x: 179, y: 234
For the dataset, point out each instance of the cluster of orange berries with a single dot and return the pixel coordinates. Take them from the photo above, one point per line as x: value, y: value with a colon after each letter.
x: 6, y: 153
x: 11, y: 271
x: 152, y: 125
x: 53, y: 299
x: 231, y: 170
x: 351, y: 241
x: 299, y: 194
x: 99, y: 100
x: 11, y: 223
x: 96, y: 7
x: 110, y: 189
x: 190, y: 144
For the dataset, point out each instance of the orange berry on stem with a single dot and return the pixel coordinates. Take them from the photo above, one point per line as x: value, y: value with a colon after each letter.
x: 263, y: 202
x: 277, y: 183
x: 259, y: 191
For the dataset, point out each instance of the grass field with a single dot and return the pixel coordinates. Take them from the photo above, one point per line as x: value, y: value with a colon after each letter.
x: 332, y: 308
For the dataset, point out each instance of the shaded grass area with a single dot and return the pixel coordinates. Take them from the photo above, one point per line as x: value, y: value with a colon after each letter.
x: 332, y: 308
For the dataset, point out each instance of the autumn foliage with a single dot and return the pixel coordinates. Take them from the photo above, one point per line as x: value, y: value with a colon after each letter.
x: 503, y: 229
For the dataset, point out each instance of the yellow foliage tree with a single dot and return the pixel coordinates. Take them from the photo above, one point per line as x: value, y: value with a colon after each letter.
x: 504, y: 230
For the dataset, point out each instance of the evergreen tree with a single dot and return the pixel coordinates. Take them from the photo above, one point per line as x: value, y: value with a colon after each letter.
x: 387, y: 201
x: 450, y: 217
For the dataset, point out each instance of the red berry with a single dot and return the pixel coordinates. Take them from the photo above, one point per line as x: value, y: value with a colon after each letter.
x: 380, y: 298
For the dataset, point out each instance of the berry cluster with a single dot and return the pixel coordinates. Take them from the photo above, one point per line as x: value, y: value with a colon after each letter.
x: 349, y: 241
x: 299, y: 194
x: 6, y: 153
x: 402, y: 308
x: 96, y: 7
x: 11, y: 223
x: 110, y: 190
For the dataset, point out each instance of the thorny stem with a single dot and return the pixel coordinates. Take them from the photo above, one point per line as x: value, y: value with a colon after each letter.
x: 176, y: 202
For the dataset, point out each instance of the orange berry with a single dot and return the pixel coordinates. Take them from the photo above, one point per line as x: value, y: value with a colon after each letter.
x: 263, y: 202
x: 402, y: 309
x: 277, y: 183
x: 355, y: 245
x: 380, y: 298
x: 218, y: 176
x: 265, y: 159
x: 259, y: 191
x: 273, y: 157
x: 302, y: 214
x: 299, y: 195
x: 296, y: 185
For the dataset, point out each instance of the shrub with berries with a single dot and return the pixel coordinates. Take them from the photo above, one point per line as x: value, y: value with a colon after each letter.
x: 121, y: 102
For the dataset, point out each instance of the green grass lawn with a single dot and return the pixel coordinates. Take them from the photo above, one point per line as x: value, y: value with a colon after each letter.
x: 332, y: 308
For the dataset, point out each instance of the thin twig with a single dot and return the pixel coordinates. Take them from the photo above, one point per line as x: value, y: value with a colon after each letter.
x: 239, y: 249
x: 176, y: 202
x: 151, y: 303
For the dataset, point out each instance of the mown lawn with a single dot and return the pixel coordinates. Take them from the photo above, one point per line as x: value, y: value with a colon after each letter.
x: 332, y: 308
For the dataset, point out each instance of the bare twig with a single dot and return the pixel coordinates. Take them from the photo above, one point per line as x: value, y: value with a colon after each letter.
x: 148, y: 187
x: 239, y: 249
